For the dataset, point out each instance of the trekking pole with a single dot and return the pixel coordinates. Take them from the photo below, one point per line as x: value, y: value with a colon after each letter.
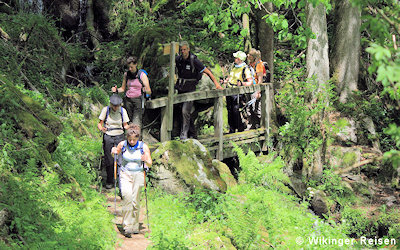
x: 145, y: 194
x: 115, y: 183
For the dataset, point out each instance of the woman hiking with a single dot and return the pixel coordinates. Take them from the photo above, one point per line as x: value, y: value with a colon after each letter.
x: 136, y: 83
x: 135, y: 158
x: 113, y: 120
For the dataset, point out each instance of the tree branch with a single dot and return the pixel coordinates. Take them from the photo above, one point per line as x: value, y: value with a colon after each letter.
x: 387, y: 19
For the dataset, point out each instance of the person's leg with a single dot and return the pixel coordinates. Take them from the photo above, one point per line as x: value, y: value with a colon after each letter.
x: 236, y: 120
x: 128, y: 105
x: 108, y: 143
x: 126, y: 203
x: 186, y: 115
x: 136, y: 104
x: 131, y: 184
x: 229, y: 107
x: 192, y: 128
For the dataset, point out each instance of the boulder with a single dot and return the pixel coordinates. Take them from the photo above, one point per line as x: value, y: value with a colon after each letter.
x: 319, y: 203
x: 181, y: 166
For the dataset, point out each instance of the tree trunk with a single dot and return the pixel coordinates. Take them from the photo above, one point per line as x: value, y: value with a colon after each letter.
x: 318, y: 68
x: 247, y: 39
x: 265, y: 35
x: 94, y: 35
x: 266, y: 38
x: 346, y: 49
x: 317, y: 49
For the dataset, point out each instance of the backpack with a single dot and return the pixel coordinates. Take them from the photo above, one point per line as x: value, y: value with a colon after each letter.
x: 266, y: 72
x: 196, y: 74
x: 122, y: 118
x: 251, y: 71
x: 140, y: 146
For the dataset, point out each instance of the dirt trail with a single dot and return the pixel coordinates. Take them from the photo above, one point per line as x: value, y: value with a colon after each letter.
x: 138, y: 241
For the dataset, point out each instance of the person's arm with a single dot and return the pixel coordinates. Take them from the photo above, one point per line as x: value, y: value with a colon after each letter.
x: 260, y: 77
x: 101, y: 127
x: 122, y: 88
x: 212, y: 77
x: 146, y: 83
x: 249, y: 78
x: 126, y: 126
x: 146, y: 157
x: 117, y: 150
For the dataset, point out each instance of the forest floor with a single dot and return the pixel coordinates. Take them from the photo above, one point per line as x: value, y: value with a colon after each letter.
x: 138, y: 241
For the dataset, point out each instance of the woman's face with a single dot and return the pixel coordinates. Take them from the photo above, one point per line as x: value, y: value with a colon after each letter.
x: 132, y: 67
x: 115, y: 107
x: 237, y: 61
x: 132, y: 140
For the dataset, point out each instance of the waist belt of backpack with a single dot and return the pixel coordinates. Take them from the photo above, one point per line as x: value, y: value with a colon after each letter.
x: 111, y: 129
x: 183, y: 80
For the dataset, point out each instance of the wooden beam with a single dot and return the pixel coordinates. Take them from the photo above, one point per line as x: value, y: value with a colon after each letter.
x: 248, y: 134
x: 208, y: 94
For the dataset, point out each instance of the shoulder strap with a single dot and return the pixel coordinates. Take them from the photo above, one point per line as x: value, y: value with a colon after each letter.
x: 122, y: 117
x: 192, y: 57
x: 107, y: 113
x: 124, y: 146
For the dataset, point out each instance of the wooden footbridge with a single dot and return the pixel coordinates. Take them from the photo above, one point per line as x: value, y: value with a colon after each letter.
x: 219, y: 144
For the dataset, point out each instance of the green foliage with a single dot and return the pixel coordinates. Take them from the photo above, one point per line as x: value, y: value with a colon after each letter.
x: 386, y: 65
x: 51, y: 204
x: 35, y: 52
x: 332, y: 184
x: 255, y: 214
x: 302, y: 106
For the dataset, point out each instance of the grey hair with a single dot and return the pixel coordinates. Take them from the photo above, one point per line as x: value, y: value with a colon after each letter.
x: 184, y: 43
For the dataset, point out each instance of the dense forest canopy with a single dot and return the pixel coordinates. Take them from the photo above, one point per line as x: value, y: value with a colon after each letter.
x: 335, y: 128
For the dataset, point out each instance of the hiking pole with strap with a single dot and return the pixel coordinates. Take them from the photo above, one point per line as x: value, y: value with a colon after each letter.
x: 115, y: 183
x: 145, y: 194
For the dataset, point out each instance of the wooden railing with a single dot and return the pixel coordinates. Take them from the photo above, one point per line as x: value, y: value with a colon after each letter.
x: 166, y: 105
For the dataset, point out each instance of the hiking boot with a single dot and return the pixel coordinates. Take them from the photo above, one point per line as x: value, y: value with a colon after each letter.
x: 127, y: 234
x: 109, y: 186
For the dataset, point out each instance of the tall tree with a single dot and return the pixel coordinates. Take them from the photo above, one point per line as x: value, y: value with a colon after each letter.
x: 345, y: 58
x: 317, y: 48
x: 317, y: 63
x: 266, y: 36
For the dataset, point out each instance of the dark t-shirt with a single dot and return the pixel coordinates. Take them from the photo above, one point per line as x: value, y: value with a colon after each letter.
x: 186, y: 71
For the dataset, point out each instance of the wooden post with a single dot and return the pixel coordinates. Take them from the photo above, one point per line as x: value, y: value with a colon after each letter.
x: 168, y: 115
x: 265, y: 114
x: 219, y: 126
x: 164, y: 125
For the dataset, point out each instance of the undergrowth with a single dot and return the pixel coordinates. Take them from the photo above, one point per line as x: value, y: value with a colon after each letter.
x: 260, y: 212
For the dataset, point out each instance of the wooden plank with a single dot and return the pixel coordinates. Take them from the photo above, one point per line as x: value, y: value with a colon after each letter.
x: 208, y: 94
x: 219, y: 126
x: 171, y: 89
x: 235, y: 136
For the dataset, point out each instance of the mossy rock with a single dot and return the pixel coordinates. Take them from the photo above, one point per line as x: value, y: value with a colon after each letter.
x: 206, y: 236
x: 32, y: 118
x: 343, y: 157
x: 186, y: 165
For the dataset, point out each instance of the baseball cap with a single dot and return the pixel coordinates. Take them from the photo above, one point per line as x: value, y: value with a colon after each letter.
x: 115, y: 99
x: 240, y: 54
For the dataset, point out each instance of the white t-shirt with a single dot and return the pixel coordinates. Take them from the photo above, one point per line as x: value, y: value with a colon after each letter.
x: 114, y: 120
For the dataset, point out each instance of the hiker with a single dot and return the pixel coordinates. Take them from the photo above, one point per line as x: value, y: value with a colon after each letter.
x: 113, y: 120
x: 135, y: 158
x: 254, y: 109
x: 136, y: 84
x: 240, y: 75
x: 190, y: 71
